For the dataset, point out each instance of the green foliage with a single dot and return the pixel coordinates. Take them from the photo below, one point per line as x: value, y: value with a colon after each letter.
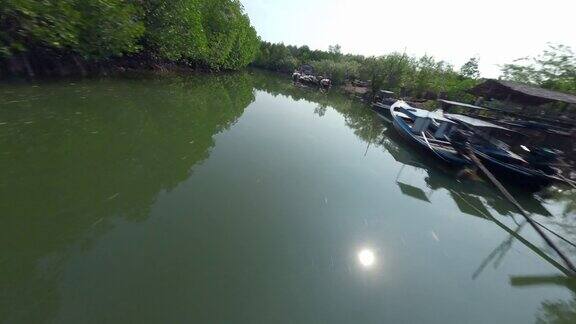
x: 337, y: 71
x: 554, y: 69
x: 107, y: 28
x: 219, y: 20
x: 245, y: 45
x: 174, y: 29
x: 276, y: 57
x: 240, y: 39
x: 429, y: 75
x: 418, y: 77
x: 456, y: 88
x: 470, y: 69
x: 91, y: 28
x: 215, y: 33
x: 212, y: 33
x: 286, y: 58
x: 386, y: 72
x: 25, y: 24
x: 335, y: 51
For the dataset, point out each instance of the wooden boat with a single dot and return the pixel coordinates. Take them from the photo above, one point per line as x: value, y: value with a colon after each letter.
x: 520, y: 172
x: 480, y: 199
x: 449, y: 137
x: 427, y: 131
x: 529, y: 168
x: 384, y: 99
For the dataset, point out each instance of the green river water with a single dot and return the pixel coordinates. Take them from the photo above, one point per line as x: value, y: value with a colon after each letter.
x: 245, y: 199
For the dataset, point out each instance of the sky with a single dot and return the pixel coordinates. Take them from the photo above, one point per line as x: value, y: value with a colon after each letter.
x: 496, y: 31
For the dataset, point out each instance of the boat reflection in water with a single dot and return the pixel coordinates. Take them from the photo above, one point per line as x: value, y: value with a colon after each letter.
x: 477, y: 199
x: 471, y: 197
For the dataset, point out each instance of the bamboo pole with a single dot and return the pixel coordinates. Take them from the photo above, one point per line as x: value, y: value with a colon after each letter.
x: 520, y: 209
x: 522, y: 240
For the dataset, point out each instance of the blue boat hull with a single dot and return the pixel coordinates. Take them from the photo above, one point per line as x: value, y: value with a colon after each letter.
x: 517, y: 174
x: 446, y: 156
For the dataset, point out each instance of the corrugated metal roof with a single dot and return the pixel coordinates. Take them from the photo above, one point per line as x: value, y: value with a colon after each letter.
x: 539, y: 92
x: 530, y: 90
x: 474, y: 121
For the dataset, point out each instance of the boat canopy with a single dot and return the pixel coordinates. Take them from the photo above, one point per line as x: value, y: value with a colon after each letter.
x: 437, y: 115
x: 460, y: 104
x: 474, y: 121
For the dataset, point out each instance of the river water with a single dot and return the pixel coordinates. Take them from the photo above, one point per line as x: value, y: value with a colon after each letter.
x: 243, y: 198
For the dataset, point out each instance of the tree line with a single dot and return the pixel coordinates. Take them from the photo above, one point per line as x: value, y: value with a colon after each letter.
x: 554, y: 69
x: 55, y: 36
x: 36, y: 35
x: 399, y: 72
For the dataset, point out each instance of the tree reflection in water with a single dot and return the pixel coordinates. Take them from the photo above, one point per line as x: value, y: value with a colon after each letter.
x: 91, y: 154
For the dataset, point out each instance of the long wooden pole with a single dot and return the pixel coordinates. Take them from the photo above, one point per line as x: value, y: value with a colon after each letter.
x: 570, y: 182
x: 519, y: 237
x: 508, y: 196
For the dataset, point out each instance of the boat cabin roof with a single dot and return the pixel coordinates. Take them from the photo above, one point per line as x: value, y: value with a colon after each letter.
x: 436, y: 115
x: 460, y: 104
x: 523, y: 94
x: 474, y: 121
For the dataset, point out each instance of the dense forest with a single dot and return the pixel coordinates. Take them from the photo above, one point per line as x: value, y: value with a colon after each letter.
x: 554, y: 69
x: 52, y: 37
x: 419, y: 76
x: 61, y: 37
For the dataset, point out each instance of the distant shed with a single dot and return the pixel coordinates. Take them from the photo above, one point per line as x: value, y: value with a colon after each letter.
x: 520, y: 93
x: 528, y: 102
x: 547, y: 117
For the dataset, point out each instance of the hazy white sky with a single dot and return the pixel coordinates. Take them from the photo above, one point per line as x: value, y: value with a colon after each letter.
x: 497, y: 31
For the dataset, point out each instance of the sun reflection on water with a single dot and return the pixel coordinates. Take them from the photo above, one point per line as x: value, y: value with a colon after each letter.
x: 367, y: 258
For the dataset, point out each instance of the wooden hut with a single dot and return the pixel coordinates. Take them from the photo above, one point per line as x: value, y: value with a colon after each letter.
x: 548, y: 117
x: 530, y: 101
x: 520, y: 93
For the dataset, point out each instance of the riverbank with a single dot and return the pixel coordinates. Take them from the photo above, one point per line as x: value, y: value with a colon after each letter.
x: 19, y: 67
x: 97, y: 37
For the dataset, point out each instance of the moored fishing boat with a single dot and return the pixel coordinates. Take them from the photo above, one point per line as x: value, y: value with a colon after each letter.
x: 427, y: 131
x: 451, y: 138
x: 382, y: 104
x: 520, y: 172
x: 523, y: 165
